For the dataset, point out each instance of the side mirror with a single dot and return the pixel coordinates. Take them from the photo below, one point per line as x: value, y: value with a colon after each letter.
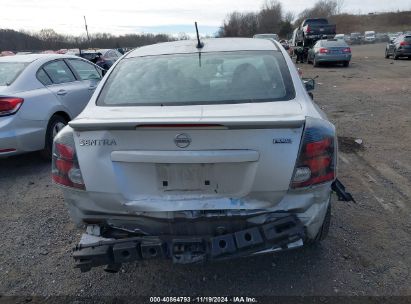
x: 309, y: 84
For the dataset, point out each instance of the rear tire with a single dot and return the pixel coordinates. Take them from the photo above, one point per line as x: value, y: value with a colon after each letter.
x: 387, y: 55
x: 56, y: 123
x: 346, y: 64
x: 323, y: 232
x: 395, y: 55
x: 315, y: 63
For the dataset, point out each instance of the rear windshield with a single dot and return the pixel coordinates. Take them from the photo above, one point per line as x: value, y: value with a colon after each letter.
x: 407, y: 39
x: 9, y: 71
x: 316, y: 21
x: 334, y: 43
x: 189, y: 79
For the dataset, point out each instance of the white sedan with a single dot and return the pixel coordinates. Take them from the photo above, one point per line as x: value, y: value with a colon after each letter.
x: 39, y: 95
x: 197, y: 154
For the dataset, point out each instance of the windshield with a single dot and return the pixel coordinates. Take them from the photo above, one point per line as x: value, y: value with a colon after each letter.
x: 188, y: 79
x: 316, y: 22
x: 332, y: 43
x: 9, y: 71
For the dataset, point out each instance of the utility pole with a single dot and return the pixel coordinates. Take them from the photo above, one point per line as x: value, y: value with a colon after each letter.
x: 88, y: 36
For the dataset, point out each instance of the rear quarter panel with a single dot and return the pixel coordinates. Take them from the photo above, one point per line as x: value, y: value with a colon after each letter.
x: 40, y: 104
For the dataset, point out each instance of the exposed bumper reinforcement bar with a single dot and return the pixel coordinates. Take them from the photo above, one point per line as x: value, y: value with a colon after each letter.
x: 280, y: 234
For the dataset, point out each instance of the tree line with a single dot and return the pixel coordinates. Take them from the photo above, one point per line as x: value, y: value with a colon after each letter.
x: 272, y: 18
x: 48, y: 39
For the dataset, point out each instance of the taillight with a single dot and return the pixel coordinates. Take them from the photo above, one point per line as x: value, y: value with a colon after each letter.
x: 347, y: 50
x: 324, y: 51
x: 65, y: 168
x: 316, y: 161
x: 402, y: 43
x: 308, y: 29
x: 10, y: 105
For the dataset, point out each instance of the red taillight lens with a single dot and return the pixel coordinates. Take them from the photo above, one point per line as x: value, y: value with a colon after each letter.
x: 10, y: 105
x: 324, y: 51
x: 316, y: 161
x: 347, y: 50
x: 308, y: 29
x: 65, y: 167
x: 403, y: 43
x: 64, y: 151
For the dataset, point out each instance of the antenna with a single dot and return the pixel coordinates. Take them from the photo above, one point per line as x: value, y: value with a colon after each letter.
x: 88, y: 36
x: 200, y: 45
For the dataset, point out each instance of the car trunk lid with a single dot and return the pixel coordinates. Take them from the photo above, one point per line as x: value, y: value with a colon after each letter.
x: 195, y: 157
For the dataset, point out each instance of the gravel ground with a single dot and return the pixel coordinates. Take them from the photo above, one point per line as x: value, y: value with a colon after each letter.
x: 368, y: 251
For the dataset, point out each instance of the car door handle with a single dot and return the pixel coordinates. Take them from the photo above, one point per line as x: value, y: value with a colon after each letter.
x: 61, y: 92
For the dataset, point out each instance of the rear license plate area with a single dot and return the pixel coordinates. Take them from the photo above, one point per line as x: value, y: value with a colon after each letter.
x: 184, y: 177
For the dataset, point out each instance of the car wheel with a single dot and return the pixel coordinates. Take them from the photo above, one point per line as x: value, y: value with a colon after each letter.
x: 395, y: 55
x: 386, y: 55
x: 346, y: 63
x: 315, y: 62
x: 323, y: 232
x: 56, y: 123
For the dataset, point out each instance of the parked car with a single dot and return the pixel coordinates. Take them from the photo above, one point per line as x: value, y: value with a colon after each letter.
x: 267, y: 36
x: 356, y: 38
x: 382, y: 37
x: 285, y: 44
x: 330, y: 51
x: 400, y: 47
x: 369, y: 37
x: 197, y: 158
x: 339, y: 37
x: 104, y: 58
x: 39, y: 95
x: 6, y: 53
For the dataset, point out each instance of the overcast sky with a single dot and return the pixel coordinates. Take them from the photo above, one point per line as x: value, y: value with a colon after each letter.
x: 157, y: 16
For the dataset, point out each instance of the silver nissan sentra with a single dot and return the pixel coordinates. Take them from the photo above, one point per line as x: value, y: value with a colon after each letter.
x: 197, y: 152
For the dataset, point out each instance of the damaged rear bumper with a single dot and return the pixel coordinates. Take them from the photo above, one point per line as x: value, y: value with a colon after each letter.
x: 284, y: 233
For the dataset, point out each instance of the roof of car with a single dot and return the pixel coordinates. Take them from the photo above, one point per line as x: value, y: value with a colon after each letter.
x: 210, y: 45
x: 32, y: 57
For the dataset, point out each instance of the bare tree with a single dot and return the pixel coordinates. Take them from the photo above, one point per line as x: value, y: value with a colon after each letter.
x: 270, y: 17
x: 340, y: 6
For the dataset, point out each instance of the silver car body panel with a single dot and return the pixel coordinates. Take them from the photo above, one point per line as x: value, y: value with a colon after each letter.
x: 25, y: 130
x: 122, y: 179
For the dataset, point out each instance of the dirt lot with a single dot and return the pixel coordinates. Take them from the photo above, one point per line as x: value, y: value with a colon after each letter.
x: 368, y: 251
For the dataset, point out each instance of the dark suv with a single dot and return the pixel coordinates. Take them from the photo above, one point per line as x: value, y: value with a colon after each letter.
x: 399, y: 47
